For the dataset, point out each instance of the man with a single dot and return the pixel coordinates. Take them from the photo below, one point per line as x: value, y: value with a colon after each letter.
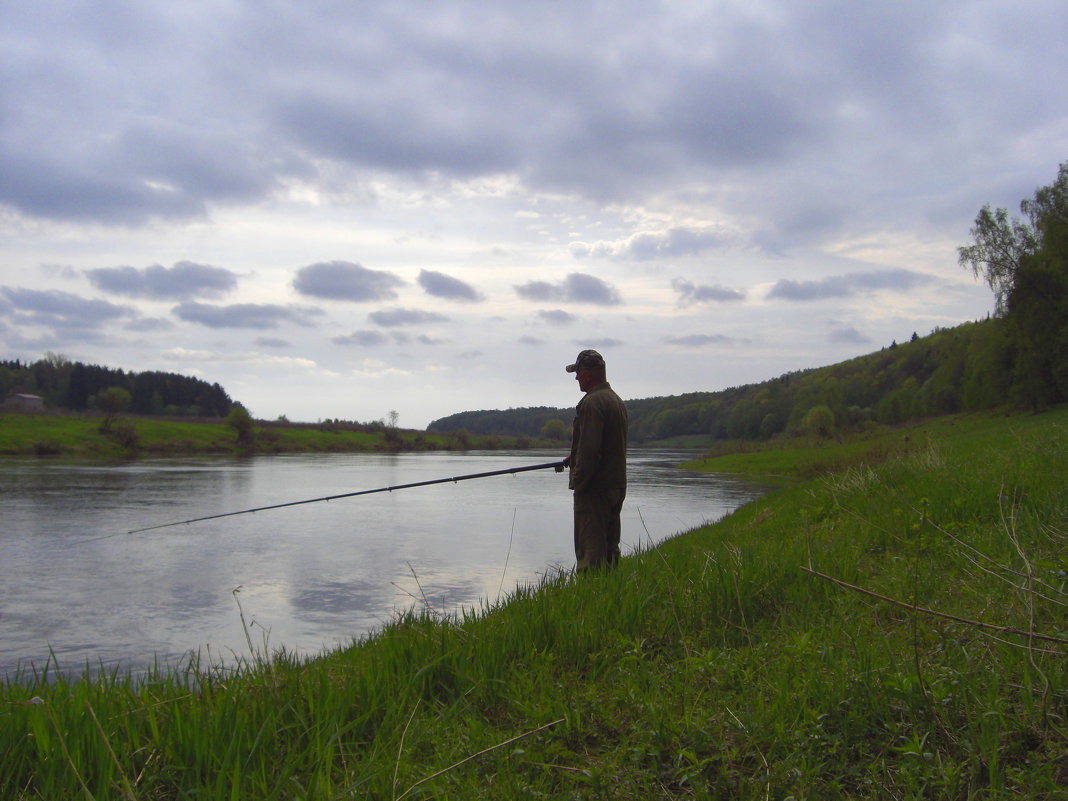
x: 597, y: 463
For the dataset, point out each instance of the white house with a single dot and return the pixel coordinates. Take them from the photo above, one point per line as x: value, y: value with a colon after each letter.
x: 23, y: 403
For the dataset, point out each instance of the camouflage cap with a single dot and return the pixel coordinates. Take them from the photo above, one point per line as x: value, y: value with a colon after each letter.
x: 587, y: 360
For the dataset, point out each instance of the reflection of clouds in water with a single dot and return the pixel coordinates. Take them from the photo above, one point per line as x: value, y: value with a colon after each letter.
x: 443, y: 590
x: 335, y: 599
x: 195, y: 597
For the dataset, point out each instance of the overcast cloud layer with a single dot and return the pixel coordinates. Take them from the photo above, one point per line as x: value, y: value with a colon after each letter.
x: 342, y: 210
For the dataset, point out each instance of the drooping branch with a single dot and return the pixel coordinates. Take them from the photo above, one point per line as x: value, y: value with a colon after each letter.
x: 934, y: 612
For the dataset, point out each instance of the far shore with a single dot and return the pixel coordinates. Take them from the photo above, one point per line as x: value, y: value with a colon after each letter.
x: 130, y: 436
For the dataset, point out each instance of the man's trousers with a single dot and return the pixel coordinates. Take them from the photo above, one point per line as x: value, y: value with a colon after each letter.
x: 597, y: 527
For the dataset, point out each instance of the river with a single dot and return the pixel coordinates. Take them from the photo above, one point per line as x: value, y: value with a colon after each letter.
x: 78, y: 588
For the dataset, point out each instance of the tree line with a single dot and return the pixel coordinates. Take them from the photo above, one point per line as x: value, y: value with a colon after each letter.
x: 951, y: 370
x: 78, y: 387
x: 1019, y: 356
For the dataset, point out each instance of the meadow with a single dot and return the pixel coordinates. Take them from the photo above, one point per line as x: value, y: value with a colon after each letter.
x: 890, y: 623
x: 87, y: 436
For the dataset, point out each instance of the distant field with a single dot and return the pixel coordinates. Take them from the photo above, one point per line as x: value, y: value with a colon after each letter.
x: 809, y: 456
x: 82, y: 436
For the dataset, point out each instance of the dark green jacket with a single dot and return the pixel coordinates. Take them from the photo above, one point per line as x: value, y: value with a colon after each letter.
x: 599, y: 442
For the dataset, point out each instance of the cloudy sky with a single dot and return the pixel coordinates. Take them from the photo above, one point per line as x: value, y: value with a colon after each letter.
x: 343, y: 209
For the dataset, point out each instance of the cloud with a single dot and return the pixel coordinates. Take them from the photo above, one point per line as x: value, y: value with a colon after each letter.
x: 272, y: 342
x: 243, y: 315
x: 444, y: 286
x: 343, y: 280
x: 699, y: 340
x: 847, y: 335
x: 64, y: 271
x: 372, y: 339
x: 183, y: 281
x: 576, y: 288
x: 647, y: 245
x: 149, y: 324
x: 253, y: 358
x: 460, y: 93
x: 604, y: 343
x: 581, y: 288
x: 540, y: 290
x: 364, y: 339
x: 690, y: 293
x: 396, y: 317
x: 842, y: 286
x: 51, y: 186
x: 557, y: 316
x: 122, y: 161
x: 794, y: 97
x: 61, y: 310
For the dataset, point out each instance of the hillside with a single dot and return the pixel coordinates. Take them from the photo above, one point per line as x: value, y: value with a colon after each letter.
x: 966, y: 368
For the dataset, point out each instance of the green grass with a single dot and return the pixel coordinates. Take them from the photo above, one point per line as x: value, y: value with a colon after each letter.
x: 723, y: 663
x: 82, y: 436
x: 809, y: 456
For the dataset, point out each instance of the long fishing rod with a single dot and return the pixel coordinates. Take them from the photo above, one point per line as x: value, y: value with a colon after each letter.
x: 453, y: 479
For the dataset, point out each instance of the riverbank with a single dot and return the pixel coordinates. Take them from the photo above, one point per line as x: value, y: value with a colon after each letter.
x: 86, y: 436
x: 893, y: 629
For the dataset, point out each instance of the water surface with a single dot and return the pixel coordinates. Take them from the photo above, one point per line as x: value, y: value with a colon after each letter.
x: 310, y: 577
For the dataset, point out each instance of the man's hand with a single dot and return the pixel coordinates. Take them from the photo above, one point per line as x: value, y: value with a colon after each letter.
x: 564, y: 463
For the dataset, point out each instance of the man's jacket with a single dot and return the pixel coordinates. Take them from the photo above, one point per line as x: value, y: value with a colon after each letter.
x: 599, y: 442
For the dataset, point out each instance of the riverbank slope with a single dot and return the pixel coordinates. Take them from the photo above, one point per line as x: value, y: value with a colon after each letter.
x: 893, y: 627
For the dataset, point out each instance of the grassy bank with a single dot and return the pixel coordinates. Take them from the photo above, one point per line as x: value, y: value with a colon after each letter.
x: 85, y: 436
x: 891, y: 630
x: 809, y: 456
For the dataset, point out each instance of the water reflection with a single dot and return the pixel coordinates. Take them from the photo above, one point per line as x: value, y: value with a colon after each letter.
x: 312, y: 576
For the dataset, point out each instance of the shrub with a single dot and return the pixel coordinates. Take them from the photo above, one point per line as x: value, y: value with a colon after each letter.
x: 819, y: 420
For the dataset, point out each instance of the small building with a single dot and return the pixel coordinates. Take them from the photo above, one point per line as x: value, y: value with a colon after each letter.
x: 22, y: 402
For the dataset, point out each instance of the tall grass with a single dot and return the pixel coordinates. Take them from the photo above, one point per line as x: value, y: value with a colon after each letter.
x: 895, y: 630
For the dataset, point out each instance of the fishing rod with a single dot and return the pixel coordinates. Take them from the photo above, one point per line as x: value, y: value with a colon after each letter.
x: 507, y: 471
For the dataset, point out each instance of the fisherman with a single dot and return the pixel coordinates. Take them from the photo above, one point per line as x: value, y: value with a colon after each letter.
x: 597, y: 464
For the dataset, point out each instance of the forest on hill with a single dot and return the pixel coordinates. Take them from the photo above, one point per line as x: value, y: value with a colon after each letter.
x: 77, y: 387
x: 1017, y: 357
x: 951, y: 370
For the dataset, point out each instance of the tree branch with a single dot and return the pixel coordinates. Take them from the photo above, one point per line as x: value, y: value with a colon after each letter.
x: 935, y: 613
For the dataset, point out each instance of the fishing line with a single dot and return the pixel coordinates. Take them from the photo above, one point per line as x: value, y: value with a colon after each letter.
x: 506, y: 471
x: 508, y: 556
